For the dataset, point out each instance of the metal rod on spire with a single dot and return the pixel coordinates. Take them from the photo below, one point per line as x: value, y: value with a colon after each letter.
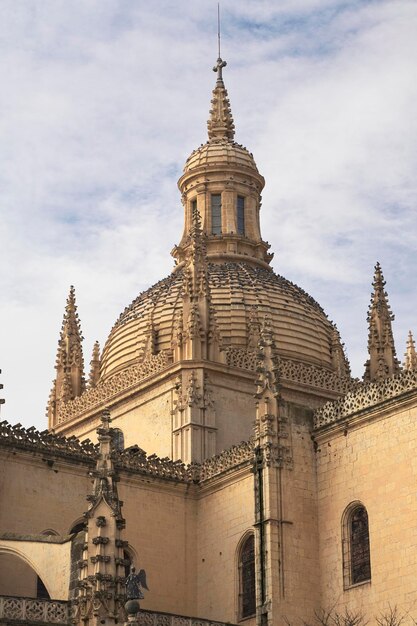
x: 220, y: 63
x: 218, y: 28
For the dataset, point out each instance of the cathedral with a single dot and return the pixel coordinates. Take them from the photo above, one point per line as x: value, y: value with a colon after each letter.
x: 220, y: 443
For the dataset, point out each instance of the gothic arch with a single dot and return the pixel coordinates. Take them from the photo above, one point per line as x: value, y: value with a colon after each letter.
x: 77, y: 526
x: 246, y: 576
x: 20, y: 572
x: 355, y: 545
x: 49, y: 532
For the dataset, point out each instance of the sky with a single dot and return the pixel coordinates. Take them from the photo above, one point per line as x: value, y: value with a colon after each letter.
x: 102, y: 101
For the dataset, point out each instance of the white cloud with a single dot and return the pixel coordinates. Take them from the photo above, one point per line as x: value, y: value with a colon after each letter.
x: 102, y: 102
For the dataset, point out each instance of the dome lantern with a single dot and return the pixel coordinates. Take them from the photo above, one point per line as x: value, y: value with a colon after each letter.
x: 222, y: 182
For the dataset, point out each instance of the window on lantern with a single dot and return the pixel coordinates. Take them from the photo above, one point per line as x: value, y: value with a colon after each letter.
x: 216, y: 214
x: 356, y: 548
x: 247, y: 593
x: 193, y: 207
x: 240, y: 215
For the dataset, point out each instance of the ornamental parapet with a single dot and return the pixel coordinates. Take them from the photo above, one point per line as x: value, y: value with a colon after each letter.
x: 28, y: 610
x: 45, y: 441
x: 110, y: 387
x: 31, y: 610
x: 294, y: 371
x: 230, y: 459
x: 132, y: 459
x: 365, y: 396
x: 151, y: 618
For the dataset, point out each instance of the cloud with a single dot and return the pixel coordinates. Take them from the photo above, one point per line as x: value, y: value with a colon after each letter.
x: 103, y: 101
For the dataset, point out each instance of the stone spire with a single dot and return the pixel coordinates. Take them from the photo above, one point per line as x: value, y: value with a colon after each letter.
x: 101, y: 580
x: 382, y: 360
x: 410, y: 361
x: 220, y: 124
x: 70, y: 381
x: 94, y: 366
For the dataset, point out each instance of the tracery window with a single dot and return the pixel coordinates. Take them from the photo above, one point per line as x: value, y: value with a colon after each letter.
x: 240, y: 215
x: 216, y: 214
x: 247, y: 593
x: 356, y: 547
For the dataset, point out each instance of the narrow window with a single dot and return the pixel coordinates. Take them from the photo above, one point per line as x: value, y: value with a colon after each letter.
x: 356, y: 549
x: 240, y: 215
x: 247, y: 594
x: 216, y: 214
x: 193, y: 206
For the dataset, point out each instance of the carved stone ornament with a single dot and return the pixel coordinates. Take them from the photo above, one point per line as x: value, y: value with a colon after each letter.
x: 365, y: 396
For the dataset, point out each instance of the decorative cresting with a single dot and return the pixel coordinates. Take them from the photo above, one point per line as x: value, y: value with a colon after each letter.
x: 410, y: 360
x: 70, y: 381
x: 132, y: 460
x: 101, y: 593
x: 382, y: 360
x: 222, y: 181
x: 365, y: 396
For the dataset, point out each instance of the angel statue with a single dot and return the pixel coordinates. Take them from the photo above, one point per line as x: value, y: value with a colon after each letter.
x: 135, y: 583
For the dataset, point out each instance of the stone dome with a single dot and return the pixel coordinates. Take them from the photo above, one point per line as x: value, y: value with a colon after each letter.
x: 221, y: 153
x: 222, y: 274
x: 241, y: 295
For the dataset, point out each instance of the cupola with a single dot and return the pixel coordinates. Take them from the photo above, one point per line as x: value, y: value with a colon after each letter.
x: 221, y: 181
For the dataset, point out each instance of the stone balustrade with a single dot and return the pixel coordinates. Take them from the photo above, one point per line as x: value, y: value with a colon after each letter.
x: 15, y: 610
x: 25, y: 610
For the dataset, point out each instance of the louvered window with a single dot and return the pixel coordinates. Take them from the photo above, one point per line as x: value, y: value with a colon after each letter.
x: 240, y: 215
x: 216, y: 214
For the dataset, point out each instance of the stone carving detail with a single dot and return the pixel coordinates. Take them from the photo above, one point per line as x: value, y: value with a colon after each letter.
x: 130, y: 460
x: 239, y: 357
x: 365, y: 396
x: 107, y: 389
x: 45, y: 441
x: 192, y: 393
x: 293, y: 371
x: 151, y: 618
x: 47, y: 611
x: 229, y: 459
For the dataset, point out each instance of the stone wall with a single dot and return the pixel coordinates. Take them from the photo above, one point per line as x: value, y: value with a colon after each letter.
x: 371, y: 459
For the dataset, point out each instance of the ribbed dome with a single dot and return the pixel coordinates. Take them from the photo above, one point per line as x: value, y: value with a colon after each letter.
x: 223, y: 153
x: 237, y: 290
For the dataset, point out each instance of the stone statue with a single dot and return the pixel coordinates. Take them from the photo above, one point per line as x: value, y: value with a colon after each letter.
x: 135, y: 583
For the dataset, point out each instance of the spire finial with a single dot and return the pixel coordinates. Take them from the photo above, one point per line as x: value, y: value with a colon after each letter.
x: 220, y: 125
x: 220, y: 64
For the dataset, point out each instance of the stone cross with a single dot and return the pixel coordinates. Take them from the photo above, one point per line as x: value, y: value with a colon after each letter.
x: 218, y: 68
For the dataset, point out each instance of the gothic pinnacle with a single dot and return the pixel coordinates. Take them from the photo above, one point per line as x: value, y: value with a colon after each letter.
x: 220, y: 124
x: 94, y: 366
x: 382, y: 360
x: 410, y: 361
x: 69, y: 382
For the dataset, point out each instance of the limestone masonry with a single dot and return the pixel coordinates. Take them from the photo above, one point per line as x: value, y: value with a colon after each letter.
x: 219, y: 443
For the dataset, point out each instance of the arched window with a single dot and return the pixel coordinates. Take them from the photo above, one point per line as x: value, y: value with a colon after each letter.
x: 247, y: 592
x: 356, y: 549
